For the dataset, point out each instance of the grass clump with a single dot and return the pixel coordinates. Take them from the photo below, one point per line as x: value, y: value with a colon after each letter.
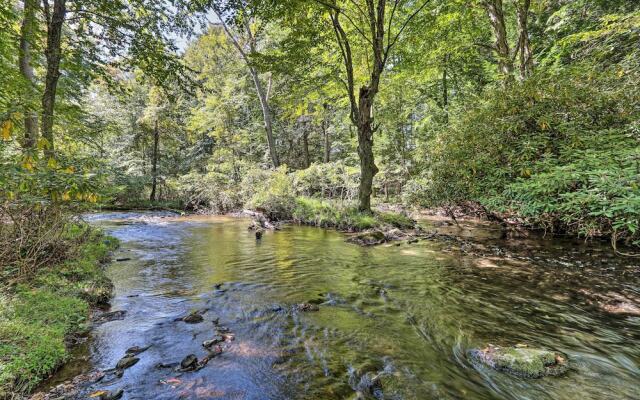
x: 327, y: 214
x: 39, y: 315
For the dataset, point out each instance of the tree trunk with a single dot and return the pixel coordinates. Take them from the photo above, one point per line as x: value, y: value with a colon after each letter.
x: 496, y: 17
x: 266, y: 114
x: 154, y: 166
x: 368, y: 168
x: 27, y: 35
x: 53, y: 54
x: 305, y: 148
x: 445, y: 89
x: 327, y: 142
x: 262, y: 94
x: 526, y: 55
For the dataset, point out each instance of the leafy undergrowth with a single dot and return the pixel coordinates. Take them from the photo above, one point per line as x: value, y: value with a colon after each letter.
x: 327, y: 214
x: 37, y: 317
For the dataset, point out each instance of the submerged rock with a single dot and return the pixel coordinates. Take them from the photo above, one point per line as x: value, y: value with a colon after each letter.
x: 189, y: 363
x: 306, y: 307
x: 370, y: 238
x: 127, y: 362
x: 165, y: 365
x: 622, y: 308
x: 216, y: 339
x: 109, y: 395
x: 521, y: 361
x: 135, y: 350
x: 193, y: 318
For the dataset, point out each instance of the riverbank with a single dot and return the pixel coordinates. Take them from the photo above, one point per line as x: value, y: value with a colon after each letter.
x: 394, y: 221
x: 43, y: 316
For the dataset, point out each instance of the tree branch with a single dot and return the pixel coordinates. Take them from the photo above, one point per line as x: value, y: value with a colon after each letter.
x: 403, y: 27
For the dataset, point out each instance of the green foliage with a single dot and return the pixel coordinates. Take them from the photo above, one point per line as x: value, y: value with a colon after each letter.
x: 38, y: 316
x: 213, y: 191
x: 330, y: 214
x: 271, y: 192
x: 561, y: 150
x: 334, y: 180
x: 333, y: 214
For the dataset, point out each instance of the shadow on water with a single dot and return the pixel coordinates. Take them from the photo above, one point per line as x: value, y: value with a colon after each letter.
x: 395, y: 322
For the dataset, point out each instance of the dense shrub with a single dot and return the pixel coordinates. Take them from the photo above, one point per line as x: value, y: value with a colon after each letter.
x: 560, y: 150
x: 271, y: 192
x: 213, y: 191
x: 332, y: 214
x: 333, y: 180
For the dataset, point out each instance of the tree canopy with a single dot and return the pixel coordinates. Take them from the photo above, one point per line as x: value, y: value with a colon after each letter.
x: 526, y: 107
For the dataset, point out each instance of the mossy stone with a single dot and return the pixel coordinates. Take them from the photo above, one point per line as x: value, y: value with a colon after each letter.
x: 521, y: 361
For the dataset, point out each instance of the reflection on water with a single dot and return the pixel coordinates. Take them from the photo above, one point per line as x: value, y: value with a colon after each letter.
x: 402, y: 317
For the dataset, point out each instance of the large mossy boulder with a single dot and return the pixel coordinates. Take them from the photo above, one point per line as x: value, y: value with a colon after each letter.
x: 368, y: 238
x: 521, y: 361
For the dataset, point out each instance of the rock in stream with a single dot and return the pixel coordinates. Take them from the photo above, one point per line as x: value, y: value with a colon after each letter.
x: 521, y: 361
x: 127, y: 362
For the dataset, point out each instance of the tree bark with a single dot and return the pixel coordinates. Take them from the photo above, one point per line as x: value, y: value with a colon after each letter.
x: 327, y: 138
x: 362, y: 108
x: 445, y: 89
x: 154, y: 166
x: 495, y: 12
x: 524, y: 44
x: 27, y: 36
x: 266, y: 114
x: 368, y: 168
x: 305, y: 148
x: 53, y: 55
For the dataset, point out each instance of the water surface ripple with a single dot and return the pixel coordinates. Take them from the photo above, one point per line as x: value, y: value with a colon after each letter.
x: 407, y: 313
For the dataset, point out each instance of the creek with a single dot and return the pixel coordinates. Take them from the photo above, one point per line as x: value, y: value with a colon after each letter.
x: 404, y: 315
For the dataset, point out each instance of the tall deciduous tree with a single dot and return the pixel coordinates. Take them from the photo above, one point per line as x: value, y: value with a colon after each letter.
x: 105, y: 34
x: 495, y: 11
x: 244, y: 40
x: 379, y: 18
x: 524, y: 43
x: 505, y: 53
x: 28, y: 32
x: 54, y: 16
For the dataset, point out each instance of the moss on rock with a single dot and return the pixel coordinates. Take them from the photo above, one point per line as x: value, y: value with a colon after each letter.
x: 521, y: 361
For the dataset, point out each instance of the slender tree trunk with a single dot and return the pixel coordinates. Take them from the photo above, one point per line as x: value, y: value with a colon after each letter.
x: 305, y: 148
x: 53, y: 54
x: 495, y: 12
x: 266, y: 114
x: 154, y: 166
x: 362, y: 108
x: 445, y: 89
x: 262, y: 94
x: 526, y: 55
x: 27, y: 36
x: 327, y: 141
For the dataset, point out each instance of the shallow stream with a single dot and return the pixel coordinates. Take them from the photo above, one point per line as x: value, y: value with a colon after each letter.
x: 406, y: 313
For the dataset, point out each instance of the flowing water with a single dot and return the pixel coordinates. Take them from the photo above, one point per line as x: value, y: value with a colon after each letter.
x: 407, y: 314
